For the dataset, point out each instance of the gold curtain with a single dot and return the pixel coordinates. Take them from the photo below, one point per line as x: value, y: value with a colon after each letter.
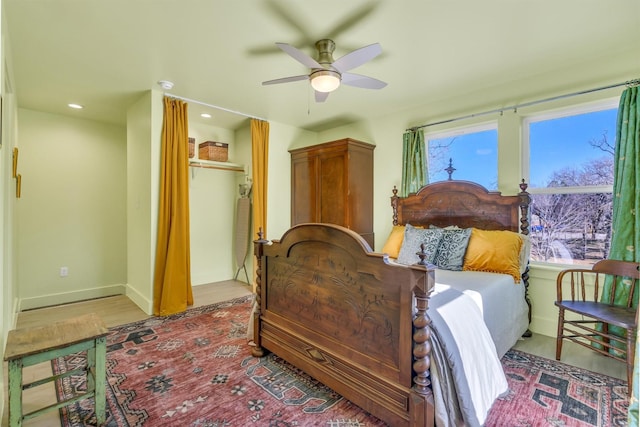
x: 172, y: 291
x: 260, y: 162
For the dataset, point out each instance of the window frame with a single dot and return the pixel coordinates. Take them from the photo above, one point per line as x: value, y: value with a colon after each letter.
x: 465, y: 130
x: 572, y: 110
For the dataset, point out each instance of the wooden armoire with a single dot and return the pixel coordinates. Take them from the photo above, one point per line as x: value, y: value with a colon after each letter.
x: 333, y: 183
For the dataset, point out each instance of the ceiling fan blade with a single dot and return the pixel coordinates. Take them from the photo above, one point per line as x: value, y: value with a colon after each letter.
x: 364, y: 82
x: 322, y: 96
x: 357, y: 57
x: 299, y: 55
x: 351, y: 19
x: 286, y: 80
x: 290, y: 17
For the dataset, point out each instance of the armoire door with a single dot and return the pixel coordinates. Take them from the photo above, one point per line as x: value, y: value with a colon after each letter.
x: 332, y: 188
x: 303, y: 189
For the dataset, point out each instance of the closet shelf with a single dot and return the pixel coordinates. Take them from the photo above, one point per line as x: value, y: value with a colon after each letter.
x: 210, y: 164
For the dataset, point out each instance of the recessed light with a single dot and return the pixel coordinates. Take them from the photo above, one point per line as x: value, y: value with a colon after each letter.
x: 76, y: 106
x: 205, y: 115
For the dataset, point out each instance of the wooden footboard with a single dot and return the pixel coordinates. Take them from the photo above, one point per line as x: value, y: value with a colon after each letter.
x: 330, y: 306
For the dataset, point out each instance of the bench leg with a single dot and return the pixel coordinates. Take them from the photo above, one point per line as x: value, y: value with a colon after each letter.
x: 100, y: 379
x: 15, y: 392
x: 91, y: 372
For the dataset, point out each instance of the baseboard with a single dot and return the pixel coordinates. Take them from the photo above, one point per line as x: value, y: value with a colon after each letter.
x: 69, y: 297
x: 14, y: 319
x: 544, y: 326
x: 140, y: 300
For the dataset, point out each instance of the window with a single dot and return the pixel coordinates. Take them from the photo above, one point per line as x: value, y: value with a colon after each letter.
x: 473, y: 152
x: 570, y: 171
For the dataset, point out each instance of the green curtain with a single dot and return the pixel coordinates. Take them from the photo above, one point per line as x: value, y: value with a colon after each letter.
x: 625, y: 225
x: 414, y: 162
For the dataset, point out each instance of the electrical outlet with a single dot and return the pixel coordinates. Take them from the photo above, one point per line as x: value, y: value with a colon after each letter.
x: 64, y: 271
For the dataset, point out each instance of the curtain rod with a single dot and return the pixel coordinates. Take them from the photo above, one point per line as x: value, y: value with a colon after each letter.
x: 214, y: 106
x: 514, y: 107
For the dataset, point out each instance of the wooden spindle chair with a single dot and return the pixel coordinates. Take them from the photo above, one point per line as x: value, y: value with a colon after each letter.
x: 593, y: 310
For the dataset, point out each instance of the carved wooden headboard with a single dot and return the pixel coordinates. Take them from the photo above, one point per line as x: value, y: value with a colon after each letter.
x: 465, y: 204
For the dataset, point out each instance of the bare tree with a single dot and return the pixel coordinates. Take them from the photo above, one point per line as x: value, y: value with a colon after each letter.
x: 603, y: 144
x: 439, y: 154
x: 565, y: 225
x: 554, y: 219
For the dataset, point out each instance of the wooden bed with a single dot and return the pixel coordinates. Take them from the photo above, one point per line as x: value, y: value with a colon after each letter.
x: 355, y: 321
x: 466, y: 204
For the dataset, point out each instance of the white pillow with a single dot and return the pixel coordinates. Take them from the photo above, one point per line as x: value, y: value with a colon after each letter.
x: 525, y: 252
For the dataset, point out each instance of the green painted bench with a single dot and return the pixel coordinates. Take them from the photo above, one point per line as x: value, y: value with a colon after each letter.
x: 30, y: 346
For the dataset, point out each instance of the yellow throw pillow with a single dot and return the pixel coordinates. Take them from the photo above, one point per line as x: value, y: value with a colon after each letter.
x: 394, y: 241
x: 494, y: 251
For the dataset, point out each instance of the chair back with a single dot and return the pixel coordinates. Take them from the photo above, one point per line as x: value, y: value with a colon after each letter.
x: 622, y: 273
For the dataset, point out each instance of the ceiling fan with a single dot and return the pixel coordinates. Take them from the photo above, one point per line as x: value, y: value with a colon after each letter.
x: 326, y: 73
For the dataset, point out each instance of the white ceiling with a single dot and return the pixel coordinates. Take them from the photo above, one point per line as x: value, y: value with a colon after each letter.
x: 104, y: 54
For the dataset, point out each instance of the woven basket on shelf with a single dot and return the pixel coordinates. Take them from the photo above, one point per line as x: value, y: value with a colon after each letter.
x: 211, y: 150
x: 192, y: 147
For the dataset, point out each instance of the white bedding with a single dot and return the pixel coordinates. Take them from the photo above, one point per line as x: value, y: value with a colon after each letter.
x: 466, y: 372
x: 502, y: 303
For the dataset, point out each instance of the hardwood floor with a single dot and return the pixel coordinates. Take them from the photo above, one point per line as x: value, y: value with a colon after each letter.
x: 118, y: 310
x: 573, y: 354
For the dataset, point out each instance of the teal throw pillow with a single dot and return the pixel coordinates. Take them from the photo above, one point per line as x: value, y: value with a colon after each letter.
x: 413, y: 238
x: 452, y: 247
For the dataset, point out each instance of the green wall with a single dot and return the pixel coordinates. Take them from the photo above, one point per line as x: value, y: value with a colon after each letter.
x: 142, y: 164
x: 72, y: 209
x: 212, y: 202
x: 386, y: 134
x: 90, y: 196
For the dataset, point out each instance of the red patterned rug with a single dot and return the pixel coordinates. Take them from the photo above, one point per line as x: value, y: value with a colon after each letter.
x: 545, y: 392
x: 195, y: 369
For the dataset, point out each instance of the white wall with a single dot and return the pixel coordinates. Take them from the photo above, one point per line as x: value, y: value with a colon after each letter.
x: 72, y: 211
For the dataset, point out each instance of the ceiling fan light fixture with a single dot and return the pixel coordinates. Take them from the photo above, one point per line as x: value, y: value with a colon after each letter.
x: 325, y: 80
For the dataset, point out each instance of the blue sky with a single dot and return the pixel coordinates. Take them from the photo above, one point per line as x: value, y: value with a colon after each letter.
x: 555, y: 144
x: 467, y: 152
x: 563, y: 142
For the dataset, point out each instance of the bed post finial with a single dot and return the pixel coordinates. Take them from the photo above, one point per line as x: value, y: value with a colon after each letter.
x: 450, y: 169
x: 525, y: 201
x: 394, y: 205
x: 258, y: 249
x: 422, y: 254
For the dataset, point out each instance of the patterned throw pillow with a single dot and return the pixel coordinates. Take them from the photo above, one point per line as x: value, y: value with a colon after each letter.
x: 413, y: 238
x: 452, y: 247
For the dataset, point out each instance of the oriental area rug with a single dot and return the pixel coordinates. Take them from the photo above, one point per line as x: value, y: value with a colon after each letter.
x: 195, y: 369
